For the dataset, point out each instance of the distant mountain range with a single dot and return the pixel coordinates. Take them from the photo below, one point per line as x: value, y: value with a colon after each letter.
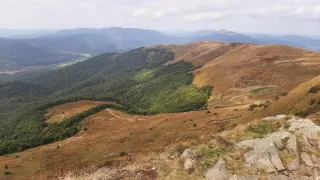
x: 37, y: 47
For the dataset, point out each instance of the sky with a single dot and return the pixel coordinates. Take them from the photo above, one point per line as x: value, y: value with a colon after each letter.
x: 261, y: 16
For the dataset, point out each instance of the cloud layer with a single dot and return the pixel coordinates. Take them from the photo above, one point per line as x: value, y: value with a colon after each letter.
x: 243, y: 15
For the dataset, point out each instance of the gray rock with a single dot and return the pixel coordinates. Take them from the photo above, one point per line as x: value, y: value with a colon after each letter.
x: 278, y: 117
x: 305, y: 127
x: 188, y: 164
x: 264, y: 155
x: 306, y: 158
x: 244, y: 177
x: 218, y: 172
x: 187, y: 153
x: 279, y: 177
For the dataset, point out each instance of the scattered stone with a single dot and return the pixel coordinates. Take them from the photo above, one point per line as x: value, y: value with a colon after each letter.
x: 278, y: 117
x: 218, y: 172
x: 187, y: 153
x: 111, y: 154
x: 306, y: 158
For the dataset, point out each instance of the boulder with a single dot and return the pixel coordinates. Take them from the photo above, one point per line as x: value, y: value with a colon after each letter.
x: 305, y: 127
x: 218, y: 172
x: 306, y: 158
x: 263, y: 154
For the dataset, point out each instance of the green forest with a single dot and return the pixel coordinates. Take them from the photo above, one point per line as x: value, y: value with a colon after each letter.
x: 140, y: 80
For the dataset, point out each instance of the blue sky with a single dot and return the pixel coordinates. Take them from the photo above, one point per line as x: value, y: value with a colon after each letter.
x: 267, y: 16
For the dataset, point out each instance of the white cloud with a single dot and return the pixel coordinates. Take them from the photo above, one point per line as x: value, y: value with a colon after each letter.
x: 238, y: 15
x: 214, y: 16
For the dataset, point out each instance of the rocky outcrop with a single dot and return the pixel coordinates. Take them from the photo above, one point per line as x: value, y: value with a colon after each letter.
x: 263, y: 153
x: 290, y: 153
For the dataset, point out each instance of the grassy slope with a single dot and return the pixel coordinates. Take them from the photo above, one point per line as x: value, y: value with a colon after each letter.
x: 110, y: 77
x: 235, y: 69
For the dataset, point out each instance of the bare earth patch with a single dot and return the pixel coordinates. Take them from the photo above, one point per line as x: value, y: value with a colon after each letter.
x: 59, y: 113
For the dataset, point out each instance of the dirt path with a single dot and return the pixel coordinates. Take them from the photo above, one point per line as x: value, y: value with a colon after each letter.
x: 131, y: 119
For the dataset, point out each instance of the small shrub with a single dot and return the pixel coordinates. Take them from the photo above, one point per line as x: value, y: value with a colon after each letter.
x: 122, y: 153
x: 284, y: 94
x: 194, y: 125
x: 151, y: 129
x: 191, y: 119
x: 286, y: 125
x: 211, y: 155
x: 263, y: 127
x: 6, y: 167
x: 208, y: 112
x: 252, y: 107
x: 312, y: 102
x: 215, y: 114
x: 314, y: 90
x: 58, y: 147
x: 276, y: 98
x: 6, y: 173
x: 85, y: 129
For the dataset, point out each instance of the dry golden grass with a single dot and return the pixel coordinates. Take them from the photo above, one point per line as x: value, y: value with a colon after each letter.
x: 61, y: 112
x: 111, y: 132
x: 234, y: 69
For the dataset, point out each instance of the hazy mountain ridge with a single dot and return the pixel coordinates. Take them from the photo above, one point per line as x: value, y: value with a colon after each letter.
x: 65, y: 45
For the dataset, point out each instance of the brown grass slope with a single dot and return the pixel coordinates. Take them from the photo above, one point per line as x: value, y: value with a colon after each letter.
x: 236, y: 70
x: 299, y: 101
x: 107, y: 134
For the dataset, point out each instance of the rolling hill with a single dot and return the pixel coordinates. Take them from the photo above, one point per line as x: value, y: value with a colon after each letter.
x: 49, y: 48
x: 162, y: 95
x: 240, y: 71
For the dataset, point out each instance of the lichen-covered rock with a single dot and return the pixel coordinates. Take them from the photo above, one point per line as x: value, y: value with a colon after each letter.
x: 305, y: 127
x: 263, y: 154
x: 306, y: 158
x: 284, y: 140
x: 218, y: 172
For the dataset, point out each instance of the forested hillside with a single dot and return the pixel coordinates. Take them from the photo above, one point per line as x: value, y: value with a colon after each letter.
x: 139, y: 80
